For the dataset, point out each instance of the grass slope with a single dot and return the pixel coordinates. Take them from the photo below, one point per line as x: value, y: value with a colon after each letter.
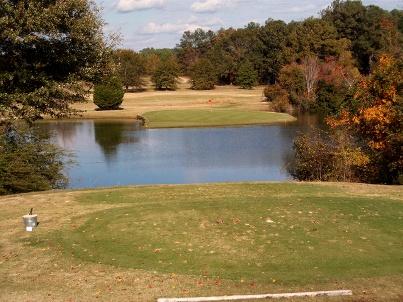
x: 141, y: 243
x: 211, y: 118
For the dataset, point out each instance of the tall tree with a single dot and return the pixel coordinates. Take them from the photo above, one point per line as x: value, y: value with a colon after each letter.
x: 165, y: 75
x: 153, y: 61
x: 47, y: 48
x: 192, y: 46
x: 220, y: 57
x: 313, y: 37
x: 130, y: 67
x: 246, y: 75
x: 203, y: 75
x: 397, y: 15
x: 273, y: 37
x: 310, y: 69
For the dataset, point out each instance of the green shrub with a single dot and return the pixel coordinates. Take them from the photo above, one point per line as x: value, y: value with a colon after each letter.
x: 278, y: 98
x: 108, y: 95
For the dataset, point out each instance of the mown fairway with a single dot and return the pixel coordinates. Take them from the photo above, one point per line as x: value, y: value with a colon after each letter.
x: 210, y: 118
x: 229, y: 106
x: 141, y: 243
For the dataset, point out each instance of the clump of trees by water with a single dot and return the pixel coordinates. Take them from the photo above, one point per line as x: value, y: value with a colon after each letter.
x: 365, y: 140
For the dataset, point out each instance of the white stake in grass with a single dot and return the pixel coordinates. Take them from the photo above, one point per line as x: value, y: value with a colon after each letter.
x: 267, y: 296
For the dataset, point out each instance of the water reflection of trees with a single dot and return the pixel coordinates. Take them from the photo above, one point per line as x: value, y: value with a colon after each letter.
x: 109, y: 135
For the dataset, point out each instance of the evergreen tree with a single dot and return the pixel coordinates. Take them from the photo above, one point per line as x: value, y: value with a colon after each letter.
x: 203, y: 75
x: 108, y: 95
x: 246, y: 76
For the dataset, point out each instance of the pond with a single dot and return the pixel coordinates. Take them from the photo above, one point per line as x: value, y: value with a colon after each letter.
x: 118, y: 153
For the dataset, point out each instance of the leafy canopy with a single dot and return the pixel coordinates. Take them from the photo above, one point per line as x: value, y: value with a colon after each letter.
x: 203, y: 75
x: 47, y: 49
x: 165, y: 75
x: 365, y: 142
x: 131, y: 67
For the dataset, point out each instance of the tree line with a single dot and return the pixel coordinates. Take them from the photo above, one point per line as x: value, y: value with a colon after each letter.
x: 308, y: 65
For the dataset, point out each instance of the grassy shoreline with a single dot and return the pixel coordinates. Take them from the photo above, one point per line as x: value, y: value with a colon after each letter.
x: 144, y: 242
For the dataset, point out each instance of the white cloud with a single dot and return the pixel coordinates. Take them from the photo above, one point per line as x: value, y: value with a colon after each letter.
x: 168, y: 28
x: 298, y: 9
x: 180, y: 27
x: 154, y: 28
x: 207, y: 6
x: 136, y: 5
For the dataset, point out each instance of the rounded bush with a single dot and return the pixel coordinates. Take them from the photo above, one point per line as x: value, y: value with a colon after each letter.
x: 109, y: 94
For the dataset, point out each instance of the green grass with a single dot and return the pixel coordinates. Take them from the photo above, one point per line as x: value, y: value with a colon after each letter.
x: 263, y: 235
x: 211, y: 118
x: 248, y: 237
x: 144, y: 242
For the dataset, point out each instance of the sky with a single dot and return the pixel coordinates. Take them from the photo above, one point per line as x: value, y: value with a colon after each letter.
x: 161, y: 23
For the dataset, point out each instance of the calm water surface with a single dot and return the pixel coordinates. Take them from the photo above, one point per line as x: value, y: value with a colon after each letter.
x: 117, y: 153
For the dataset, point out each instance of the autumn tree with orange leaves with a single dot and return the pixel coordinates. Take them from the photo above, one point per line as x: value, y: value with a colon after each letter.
x: 365, y: 142
x: 374, y: 118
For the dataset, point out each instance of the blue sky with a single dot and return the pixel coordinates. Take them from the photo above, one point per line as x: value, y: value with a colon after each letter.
x: 161, y: 23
